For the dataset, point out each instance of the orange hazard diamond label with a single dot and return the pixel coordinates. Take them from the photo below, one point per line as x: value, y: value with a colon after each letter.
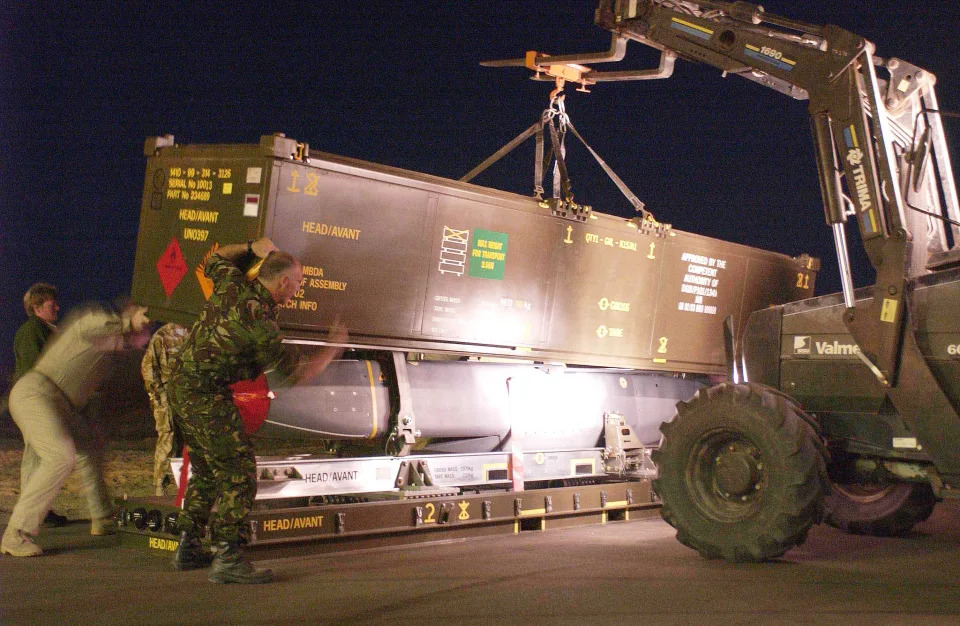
x: 206, y: 285
x: 171, y: 267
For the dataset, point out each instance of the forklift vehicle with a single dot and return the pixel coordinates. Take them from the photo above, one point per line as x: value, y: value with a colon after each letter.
x: 841, y: 408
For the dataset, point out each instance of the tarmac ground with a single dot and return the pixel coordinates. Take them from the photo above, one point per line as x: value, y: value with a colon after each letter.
x: 623, y: 572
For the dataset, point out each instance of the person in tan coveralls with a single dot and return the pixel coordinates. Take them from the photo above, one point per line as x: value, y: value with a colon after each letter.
x: 47, y: 404
x: 162, y: 352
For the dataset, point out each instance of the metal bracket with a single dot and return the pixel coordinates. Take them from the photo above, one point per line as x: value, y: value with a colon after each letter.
x: 414, y: 475
x: 647, y: 225
x: 281, y: 146
x: 623, y: 451
x: 568, y: 67
x: 405, y: 430
x: 567, y: 210
x: 905, y: 80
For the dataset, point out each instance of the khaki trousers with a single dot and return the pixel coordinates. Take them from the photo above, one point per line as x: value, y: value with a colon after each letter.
x: 57, y: 440
x: 163, y: 420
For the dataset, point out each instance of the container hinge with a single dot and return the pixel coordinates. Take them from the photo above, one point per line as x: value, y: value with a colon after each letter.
x: 280, y: 146
x: 153, y: 144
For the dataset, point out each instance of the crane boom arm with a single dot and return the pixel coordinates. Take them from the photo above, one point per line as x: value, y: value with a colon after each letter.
x: 873, y: 136
x: 834, y: 69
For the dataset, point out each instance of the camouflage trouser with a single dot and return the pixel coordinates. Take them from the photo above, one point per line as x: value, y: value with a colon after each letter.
x: 223, y: 464
x: 163, y: 420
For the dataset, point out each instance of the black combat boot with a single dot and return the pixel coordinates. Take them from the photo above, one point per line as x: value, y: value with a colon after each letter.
x: 190, y: 553
x: 229, y: 566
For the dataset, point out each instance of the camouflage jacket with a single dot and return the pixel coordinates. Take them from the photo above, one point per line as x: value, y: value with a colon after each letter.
x: 162, y: 352
x: 236, y: 336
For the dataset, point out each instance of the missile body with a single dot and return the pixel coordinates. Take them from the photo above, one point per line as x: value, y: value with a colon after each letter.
x: 469, y: 406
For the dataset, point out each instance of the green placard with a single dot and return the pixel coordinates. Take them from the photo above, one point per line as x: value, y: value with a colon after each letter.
x: 488, y: 254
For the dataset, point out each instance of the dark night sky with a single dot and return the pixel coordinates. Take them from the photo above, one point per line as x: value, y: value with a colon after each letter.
x: 396, y: 83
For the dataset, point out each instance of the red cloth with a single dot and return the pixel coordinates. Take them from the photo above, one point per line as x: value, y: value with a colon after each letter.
x: 184, y: 472
x: 253, y: 402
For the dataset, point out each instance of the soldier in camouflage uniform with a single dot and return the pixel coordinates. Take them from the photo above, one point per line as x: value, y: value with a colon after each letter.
x: 162, y: 352
x: 235, y: 338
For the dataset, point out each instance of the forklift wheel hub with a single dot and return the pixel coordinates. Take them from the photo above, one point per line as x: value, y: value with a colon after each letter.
x: 735, y: 473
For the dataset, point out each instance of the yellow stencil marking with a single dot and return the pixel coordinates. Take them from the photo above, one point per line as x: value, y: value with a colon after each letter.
x: 455, y: 234
x: 888, y: 313
x: 311, y: 188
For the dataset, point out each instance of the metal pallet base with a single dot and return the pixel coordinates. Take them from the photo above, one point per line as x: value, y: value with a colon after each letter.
x: 149, y: 523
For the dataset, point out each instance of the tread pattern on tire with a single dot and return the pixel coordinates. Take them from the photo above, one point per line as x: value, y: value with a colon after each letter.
x: 787, y: 515
x: 896, y: 521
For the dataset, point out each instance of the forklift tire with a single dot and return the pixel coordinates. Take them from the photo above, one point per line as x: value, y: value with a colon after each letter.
x: 889, y: 510
x: 742, y: 474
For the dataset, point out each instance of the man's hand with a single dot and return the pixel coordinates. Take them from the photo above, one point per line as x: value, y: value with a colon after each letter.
x: 139, y: 319
x: 234, y: 251
x: 338, y: 332
x: 315, y: 366
x: 263, y: 246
